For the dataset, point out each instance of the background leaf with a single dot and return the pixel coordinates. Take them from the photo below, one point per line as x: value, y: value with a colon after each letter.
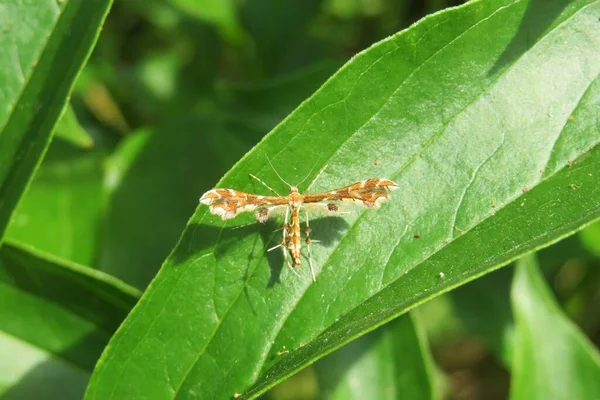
x: 441, y: 109
x: 219, y: 12
x: 276, y: 29
x: 56, y: 318
x: 69, y: 129
x: 43, y: 53
x: 484, y: 307
x: 548, y: 346
x: 591, y: 239
x: 61, y: 211
x: 391, y: 362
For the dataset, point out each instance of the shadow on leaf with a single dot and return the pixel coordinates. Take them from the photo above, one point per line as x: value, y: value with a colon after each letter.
x: 200, y: 237
x: 537, y: 19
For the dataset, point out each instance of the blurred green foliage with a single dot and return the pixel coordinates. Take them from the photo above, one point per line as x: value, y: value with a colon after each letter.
x: 173, y: 95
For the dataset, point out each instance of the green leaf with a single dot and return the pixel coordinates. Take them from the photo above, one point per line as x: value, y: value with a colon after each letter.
x: 484, y: 305
x: 278, y: 32
x: 43, y: 47
x: 62, y: 208
x: 221, y: 13
x: 28, y: 372
x: 262, y: 106
x: 155, y: 84
x: 552, y: 357
x: 69, y: 129
x: 590, y: 238
x: 484, y: 308
x: 391, y: 362
x: 55, y: 320
x: 465, y: 132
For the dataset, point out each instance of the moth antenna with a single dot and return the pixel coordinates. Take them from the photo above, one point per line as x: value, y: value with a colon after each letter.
x: 265, y: 185
x: 309, y: 172
x: 276, y: 173
x: 316, y: 177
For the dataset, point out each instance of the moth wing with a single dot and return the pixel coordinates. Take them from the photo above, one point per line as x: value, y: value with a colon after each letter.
x: 270, y: 211
x: 370, y: 193
x: 333, y: 208
x: 228, y: 203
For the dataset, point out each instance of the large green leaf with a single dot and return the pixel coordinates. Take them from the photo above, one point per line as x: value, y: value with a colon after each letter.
x: 55, y: 320
x: 479, y: 142
x: 552, y: 357
x: 392, y: 362
x: 43, y: 46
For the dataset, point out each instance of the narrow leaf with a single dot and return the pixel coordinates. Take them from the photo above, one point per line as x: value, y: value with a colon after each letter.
x: 590, y: 238
x: 552, y: 357
x: 69, y: 129
x: 43, y: 47
x: 61, y: 211
x: 55, y: 316
x: 484, y: 308
x: 392, y: 362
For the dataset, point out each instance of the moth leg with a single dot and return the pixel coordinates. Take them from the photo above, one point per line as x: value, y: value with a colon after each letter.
x: 308, y: 241
x: 283, y: 244
x: 292, y: 268
x: 284, y: 235
x: 280, y: 244
x: 285, y: 254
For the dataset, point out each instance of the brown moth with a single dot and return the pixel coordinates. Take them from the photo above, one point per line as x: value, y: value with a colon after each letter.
x: 227, y: 203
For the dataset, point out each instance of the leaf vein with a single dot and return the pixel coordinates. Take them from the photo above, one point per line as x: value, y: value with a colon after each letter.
x: 565, y: 122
